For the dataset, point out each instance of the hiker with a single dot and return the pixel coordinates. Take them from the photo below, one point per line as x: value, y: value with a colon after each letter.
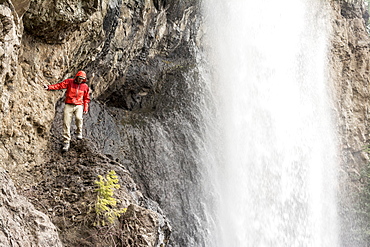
x: 76, y: 103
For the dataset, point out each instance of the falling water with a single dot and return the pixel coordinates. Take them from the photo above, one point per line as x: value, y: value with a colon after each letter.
x: 273, y: 165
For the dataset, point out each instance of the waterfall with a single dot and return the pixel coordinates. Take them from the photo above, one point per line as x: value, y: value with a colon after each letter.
x: 270, y: 166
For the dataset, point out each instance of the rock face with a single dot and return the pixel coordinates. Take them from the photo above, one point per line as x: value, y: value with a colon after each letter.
x: 350, y: 73
x: 350, y: 70
x: 20, y: 223
x: 123, y: 46
x: 140, y: 227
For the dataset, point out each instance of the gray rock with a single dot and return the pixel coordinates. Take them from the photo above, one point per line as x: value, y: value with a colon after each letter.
x: 20, y: 223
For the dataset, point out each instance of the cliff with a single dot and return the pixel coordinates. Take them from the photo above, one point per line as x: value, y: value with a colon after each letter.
x: 349, y: 70
x: 140, y: 57
x: 127, y: 48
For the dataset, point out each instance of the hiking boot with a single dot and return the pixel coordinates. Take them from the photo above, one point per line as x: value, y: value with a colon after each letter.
x: 65, y: 147
x: 79, y: 136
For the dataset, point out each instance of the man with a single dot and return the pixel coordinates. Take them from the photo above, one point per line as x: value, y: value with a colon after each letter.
x: 76, y: 103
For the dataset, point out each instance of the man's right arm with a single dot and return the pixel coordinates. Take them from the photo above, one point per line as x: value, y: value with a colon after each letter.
x: 58, y: 86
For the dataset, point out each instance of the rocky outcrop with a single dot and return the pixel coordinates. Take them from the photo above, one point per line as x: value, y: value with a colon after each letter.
x: 140, y: 226
x: 20, y: 223
x: 64, y: 188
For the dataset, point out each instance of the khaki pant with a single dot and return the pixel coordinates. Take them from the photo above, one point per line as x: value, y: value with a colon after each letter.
x: 69, y: 111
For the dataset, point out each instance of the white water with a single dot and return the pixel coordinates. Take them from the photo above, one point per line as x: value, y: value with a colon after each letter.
x: 273, y: 168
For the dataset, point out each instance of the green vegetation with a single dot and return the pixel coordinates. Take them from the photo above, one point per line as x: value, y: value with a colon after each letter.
x: 106, y: 205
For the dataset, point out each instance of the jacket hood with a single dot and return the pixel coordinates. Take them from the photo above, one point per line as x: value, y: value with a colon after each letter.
x: 82, y: 74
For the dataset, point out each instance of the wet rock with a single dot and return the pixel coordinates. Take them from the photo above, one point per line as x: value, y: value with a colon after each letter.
x: 350, y: 50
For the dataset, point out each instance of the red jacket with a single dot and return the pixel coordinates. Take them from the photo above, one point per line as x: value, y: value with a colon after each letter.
x: 77, y: 94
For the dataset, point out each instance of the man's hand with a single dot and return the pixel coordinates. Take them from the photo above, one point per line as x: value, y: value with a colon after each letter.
x: 46, y: 87
x: 85, y: 112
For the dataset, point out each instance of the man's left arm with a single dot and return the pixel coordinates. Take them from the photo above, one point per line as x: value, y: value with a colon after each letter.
x: 86, y: 100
